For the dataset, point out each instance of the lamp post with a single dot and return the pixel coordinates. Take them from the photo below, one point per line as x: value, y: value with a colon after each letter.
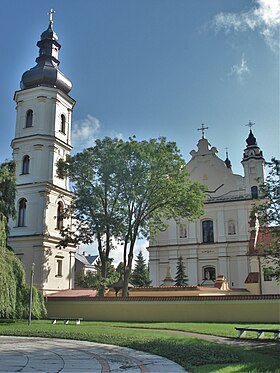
x: 31, y: 288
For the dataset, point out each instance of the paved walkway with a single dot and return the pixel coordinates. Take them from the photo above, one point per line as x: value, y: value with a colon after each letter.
x: 238, y: 342
x: 30, y: 355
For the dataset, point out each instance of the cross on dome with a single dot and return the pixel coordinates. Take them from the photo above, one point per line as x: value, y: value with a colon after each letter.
x: 202, y: 129
x: 250, y: 124
x: 50, y: 13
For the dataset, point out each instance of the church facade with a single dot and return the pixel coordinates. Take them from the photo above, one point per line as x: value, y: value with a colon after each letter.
x: 42, y: 137
x: 220, y: 243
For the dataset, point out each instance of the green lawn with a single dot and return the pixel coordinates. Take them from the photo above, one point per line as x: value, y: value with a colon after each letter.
x: 193, y: 354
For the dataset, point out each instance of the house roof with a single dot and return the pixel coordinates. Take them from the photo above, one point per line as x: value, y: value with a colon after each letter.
x: 86, y: 260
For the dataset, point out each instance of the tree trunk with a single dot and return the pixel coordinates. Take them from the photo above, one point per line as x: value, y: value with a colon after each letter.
x: 127, y: 270
x: 103, y: 260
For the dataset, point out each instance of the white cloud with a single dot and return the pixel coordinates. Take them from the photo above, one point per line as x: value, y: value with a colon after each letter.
x: 240, y: 71
x: 117, y: 253
x: 116, y: 134
x: 263, y: 18
x: 84, y: 132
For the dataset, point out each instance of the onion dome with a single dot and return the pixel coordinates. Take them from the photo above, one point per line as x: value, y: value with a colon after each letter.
x: 46, y: 72
x: 251, y: 140
x: 252, y: 151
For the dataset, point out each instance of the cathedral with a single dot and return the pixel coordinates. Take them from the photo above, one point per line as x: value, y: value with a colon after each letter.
x: 221, y: 243
x: 224, y: 242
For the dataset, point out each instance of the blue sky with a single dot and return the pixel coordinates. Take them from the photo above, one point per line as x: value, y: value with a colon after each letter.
x: 154, y: 68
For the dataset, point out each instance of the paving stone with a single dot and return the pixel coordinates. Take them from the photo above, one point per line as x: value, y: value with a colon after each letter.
x: 28, y: 355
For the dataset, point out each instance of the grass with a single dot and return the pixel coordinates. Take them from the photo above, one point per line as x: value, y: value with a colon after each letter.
x: 193, y: 354
x: 220, y: 329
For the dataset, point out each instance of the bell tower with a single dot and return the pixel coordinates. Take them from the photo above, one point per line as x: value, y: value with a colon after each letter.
x: 253, y: 163
x: 42, y: 137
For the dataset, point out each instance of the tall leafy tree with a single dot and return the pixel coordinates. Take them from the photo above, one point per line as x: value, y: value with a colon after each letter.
x: 126, y: 190
x: 96, y: 211
x: 140, y: 274
x: 155, y: 189
x: 181, y: 278
x: 7, y: 191
x: 268, y: 213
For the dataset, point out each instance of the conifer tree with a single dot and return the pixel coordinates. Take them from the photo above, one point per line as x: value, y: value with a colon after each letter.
x: 140, y: 274
x: 181, y: 279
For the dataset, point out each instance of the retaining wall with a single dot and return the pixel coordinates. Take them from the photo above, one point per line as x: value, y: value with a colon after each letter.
x: 260, y: 309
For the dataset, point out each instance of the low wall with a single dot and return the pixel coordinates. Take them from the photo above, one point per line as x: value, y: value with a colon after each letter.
x: 182, y: 309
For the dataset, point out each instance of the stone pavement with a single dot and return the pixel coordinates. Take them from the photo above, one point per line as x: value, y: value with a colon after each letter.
x: 30, y: 355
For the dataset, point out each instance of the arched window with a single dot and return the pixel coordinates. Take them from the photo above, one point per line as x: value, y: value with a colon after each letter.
x: 207, y: 231
x: 255, y: 192
x: 25, y: 164
x: 29, y: 119
x: 22, y: 212
x: 231, y: 227
x: 209, y: 273
x: 62, y: 123
x: 59, y: 216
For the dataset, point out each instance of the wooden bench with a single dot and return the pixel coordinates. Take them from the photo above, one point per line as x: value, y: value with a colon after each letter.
x: 260, y: 332
x: 66, y: 320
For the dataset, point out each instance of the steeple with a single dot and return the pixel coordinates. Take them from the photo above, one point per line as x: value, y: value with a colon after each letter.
x: 253, y: 162
x: 42, y: 137
x: 46, y: 72
x: 252, y: 150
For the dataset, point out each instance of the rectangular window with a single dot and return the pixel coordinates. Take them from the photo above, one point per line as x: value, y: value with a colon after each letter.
x: 59, y: 268
x: 182, y: 230
x: 207, y: 231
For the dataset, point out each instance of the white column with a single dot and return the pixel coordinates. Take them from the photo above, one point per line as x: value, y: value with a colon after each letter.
x: 192, y: 262
x: 220, y: 230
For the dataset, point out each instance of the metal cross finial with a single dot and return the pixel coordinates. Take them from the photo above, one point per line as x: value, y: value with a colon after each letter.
x: 250, y: 124
x: 50, y: 13
x: 202, y: 129
x: 226, y: 152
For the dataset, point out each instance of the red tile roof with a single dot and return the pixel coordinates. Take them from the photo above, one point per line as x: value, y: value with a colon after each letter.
x: 74, y: 293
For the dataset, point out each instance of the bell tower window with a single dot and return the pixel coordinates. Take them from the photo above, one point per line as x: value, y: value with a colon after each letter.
x: 25, y: 164
x: 255, y: 192
x: 62, y: 123
x: 59, y: 216
x: 29, y: 119
x: 207, y: 231
x: 22, y: 212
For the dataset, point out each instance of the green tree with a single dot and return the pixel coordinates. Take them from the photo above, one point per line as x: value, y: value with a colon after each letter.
x: 14, y: 291
x: 7, y: 191
x: 140, y: 274
x: 96, y: 212
x: 126, y: 190
x: 181, y: 279
x: 155, y: 189
x: 268, y: 213
x: 95, y: 280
